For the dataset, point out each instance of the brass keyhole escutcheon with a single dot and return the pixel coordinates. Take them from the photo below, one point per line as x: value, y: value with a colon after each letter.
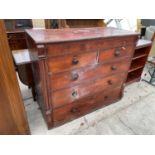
x: 74, y: 76
x: 110, y: 82
x: 74, y: 93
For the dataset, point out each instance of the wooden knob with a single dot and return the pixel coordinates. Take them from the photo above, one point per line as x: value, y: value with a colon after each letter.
x: 110, y: 82
x: 75, y: 61
x: 105, y: 97
x: 117, y: 53
x: 113, y: 68
x: 75, y: 76
x: 74, y: 110
x: 74, y: 93
x: 9, y: 37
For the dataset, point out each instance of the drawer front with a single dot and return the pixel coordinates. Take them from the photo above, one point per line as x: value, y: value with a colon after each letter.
x: 69, y: 62
x: 86, y: 45
x: 72, y: 78
x: 115, y: 53
x: 69, y: 95
x: 85, y: 105
x: 16, y: 35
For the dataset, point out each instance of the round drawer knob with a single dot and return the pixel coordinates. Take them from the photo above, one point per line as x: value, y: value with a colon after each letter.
x: 75, y: 61
x: 110, y: 82
x: 117, y: 53
x: 75, y: 76
x: 9, y: 37
x: 74, y: 93
x: 113, y: 68
x: 74, y: 110
x: 105, y: 97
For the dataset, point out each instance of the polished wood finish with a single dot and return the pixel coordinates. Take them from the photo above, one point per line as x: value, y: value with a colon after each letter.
x: 12, y: 113
x: 139, y: 60
x: 114, y: 53
x: 77, y: 76
x: 69, y: 95
x: 87, y: 45
x: 85, y: 105
x: 69, y: 62
x: 80, y: 34
x: 77, y: 70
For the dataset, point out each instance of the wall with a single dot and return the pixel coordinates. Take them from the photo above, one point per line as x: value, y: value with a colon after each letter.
x: 38, y: 23
x: 152, y: 52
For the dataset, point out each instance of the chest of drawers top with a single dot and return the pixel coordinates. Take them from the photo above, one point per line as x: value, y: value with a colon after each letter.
x: 44, y: 36
x: 58, y: 42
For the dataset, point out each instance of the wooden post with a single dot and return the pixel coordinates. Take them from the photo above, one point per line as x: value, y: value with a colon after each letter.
x: 13, y: 118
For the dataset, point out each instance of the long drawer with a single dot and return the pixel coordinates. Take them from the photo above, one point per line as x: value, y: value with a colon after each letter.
x: 76, y: 76
x: 68, y: 62
x: 85, y: 105
x: 68, y: 95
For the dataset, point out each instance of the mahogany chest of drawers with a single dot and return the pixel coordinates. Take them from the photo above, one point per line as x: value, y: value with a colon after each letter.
x: 79, y: 70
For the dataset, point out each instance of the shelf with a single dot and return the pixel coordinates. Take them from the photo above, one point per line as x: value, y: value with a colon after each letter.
x: 143, y: 43
x: 134, y: 76
x: 142, y: 52
x: 138, y: 63
x: 137, y: 56
x: 135, y: 68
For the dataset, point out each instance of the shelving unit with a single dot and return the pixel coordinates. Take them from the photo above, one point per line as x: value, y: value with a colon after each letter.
x: 140, y: 53
x: 134, y: 76
x: 138, y: 61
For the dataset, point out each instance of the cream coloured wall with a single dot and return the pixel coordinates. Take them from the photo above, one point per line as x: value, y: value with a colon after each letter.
x: 38, y: 23
x: 152, y: 52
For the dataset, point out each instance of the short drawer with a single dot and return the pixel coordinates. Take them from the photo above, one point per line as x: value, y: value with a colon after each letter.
x: 85, y: 105
x: 74, y: 77
x: 69, y: 62
x: 115, y: 53
x: 69, y: 95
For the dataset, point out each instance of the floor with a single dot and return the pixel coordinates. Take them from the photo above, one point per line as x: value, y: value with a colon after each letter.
x: 133, y: 115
